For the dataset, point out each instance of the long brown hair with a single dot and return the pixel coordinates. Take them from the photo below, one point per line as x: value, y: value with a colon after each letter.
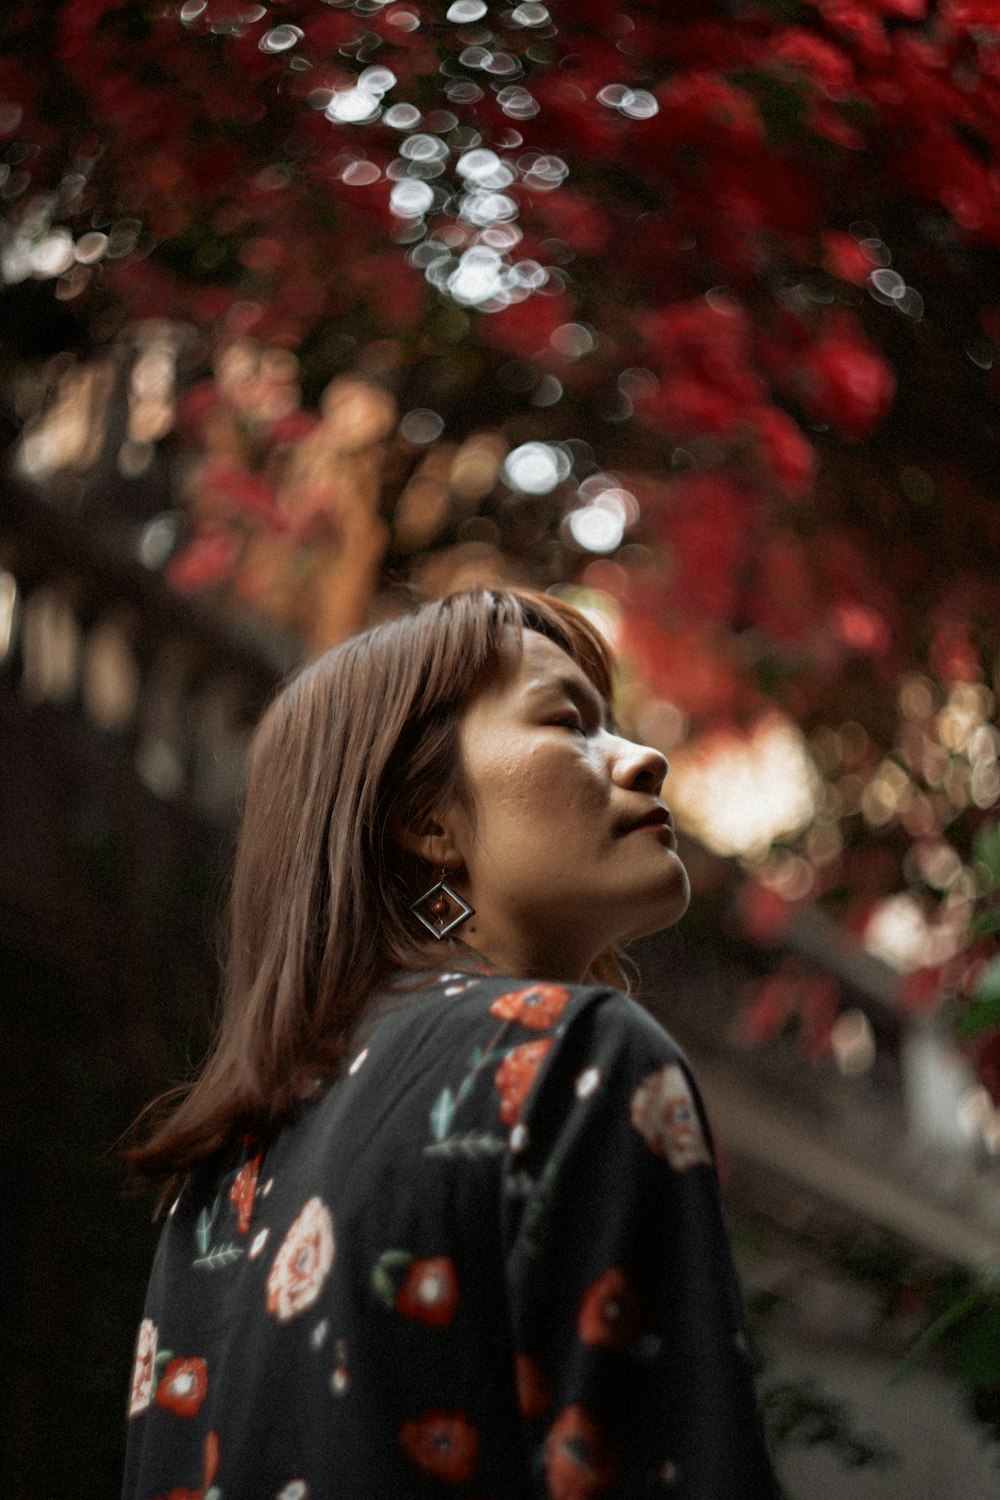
x: 319, y: 913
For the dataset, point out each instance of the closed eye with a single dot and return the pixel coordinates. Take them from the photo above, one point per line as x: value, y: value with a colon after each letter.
x: 575, y: 724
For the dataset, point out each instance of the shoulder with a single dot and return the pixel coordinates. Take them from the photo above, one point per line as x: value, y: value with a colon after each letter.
x: 574, y: 1014
x: 611, y: 1067
x: 585, y: 1016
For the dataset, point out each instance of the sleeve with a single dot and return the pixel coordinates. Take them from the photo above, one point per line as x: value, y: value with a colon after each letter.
x: 631, y: 1361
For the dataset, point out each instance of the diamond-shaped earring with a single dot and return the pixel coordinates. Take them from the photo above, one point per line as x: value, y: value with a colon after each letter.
x: 441, y: 909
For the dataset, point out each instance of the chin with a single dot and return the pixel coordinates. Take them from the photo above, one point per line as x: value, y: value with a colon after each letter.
x: 667, y: 909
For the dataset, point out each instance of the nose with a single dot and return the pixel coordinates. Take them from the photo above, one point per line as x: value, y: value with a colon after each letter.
x: 639, y: 768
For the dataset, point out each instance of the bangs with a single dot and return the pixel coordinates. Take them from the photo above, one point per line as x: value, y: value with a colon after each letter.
x: 468, y: 634
x: 571, y: 630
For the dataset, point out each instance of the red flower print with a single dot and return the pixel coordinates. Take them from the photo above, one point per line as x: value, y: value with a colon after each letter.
x: 533, y: 1393
x: 577, y: 1464
x: 302, y: 1264
x: 210, y: 1459
x: 537, y: 1007
x: 141, y: 1393
x: 183, y: 1386
x: 515, y: 1076
x: 609, y: 1313
x: 430, y: 1292
x: 663, y: 1112
x: 442, y: 1444
x: 243, y: 1191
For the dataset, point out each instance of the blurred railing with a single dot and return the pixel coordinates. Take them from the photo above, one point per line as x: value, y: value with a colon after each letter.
x: 86, y: 626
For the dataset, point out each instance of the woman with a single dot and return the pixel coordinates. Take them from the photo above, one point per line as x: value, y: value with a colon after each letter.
x: 447, y: 1219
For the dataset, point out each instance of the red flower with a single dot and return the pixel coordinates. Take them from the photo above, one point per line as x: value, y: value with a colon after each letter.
x: 515, y: 1076
x: 847, y: 382
x: 537, y: 1007
x: 233, y: 490
x: 242, y: 1192
x: 764, y: 915
x: 789, y: 456
x: 209, y: 558
x: 706, y: 345
x: 703, y: 109
x: 824, y: 64
x: 921, y: 991
x: 770, y: 1006
x: 861, y: 628
x: 577, y: 1464
x: 430, y: 1292
x: 534, y: 1395
x: 609, y: 1313
x: 442, y: 1444
x: 526, y: 328
x: 782, y: 597
x: 706, y: 525
x: 183, y: 1387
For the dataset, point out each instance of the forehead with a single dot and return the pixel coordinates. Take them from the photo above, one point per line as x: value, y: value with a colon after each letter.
x: 537, y: 665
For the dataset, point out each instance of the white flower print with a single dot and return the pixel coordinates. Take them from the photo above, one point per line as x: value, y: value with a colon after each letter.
x: 141, y: 1393
x: 664, y: 1114
x: 302, y: 1264
x: 587, y: 1082
x: 295, y: 1489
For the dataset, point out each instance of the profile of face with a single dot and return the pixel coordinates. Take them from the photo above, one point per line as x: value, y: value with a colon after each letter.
x: 564, y: 847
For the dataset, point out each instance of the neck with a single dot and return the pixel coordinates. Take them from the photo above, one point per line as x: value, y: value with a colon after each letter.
x: 520, y: 958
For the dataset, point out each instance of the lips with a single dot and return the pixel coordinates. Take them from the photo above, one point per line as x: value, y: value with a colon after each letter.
x: 657, y: 817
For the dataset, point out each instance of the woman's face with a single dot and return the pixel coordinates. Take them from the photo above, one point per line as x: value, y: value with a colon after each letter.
x: 566, y: 847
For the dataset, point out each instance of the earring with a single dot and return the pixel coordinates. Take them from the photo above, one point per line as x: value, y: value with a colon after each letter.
x: 435, y: 909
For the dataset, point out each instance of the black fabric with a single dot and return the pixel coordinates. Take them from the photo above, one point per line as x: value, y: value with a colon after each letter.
x: 488, y: 1262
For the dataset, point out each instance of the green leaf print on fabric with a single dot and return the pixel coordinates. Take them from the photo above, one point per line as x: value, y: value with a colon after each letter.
x: 470, y: 1145
x: 204, y: 1225
x: 219, y: 1258
x: 383, y: 1280
x: 442, y: 1114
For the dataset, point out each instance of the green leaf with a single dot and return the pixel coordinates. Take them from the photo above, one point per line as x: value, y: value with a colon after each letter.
x: 442, y: 1114
x: 988, y: 987
x: 981, y: 1016
x: 977, y: 1360
x: 986, y: 924
x: 986, y: 849
x: 935, y: 1333
x: 984, y: 1012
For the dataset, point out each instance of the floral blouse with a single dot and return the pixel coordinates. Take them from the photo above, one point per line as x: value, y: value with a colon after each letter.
x: 488, y: 1262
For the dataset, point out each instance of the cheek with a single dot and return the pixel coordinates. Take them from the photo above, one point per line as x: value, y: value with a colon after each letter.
x: 543, y: 791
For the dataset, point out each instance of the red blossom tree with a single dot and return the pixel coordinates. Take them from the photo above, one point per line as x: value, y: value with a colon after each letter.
x: 738, y: 258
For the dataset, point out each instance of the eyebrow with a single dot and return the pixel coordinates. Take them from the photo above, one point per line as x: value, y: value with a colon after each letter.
x: 580, y: 692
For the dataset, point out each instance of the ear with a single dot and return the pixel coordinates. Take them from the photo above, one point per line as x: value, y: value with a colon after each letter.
x: 433, y: 840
